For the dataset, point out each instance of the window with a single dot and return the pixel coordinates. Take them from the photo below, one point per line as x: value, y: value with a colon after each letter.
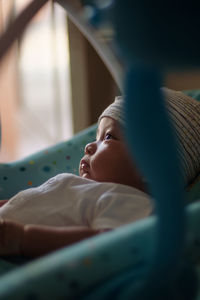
x: 40, y: 106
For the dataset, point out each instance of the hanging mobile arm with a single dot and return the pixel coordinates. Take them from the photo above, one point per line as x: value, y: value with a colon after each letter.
x: 16, y: 29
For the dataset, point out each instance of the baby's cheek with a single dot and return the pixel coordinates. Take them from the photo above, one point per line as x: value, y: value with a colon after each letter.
x: 101, y: 169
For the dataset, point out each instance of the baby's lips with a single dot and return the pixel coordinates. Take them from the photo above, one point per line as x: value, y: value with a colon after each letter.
x: 84, y: 167
x: 84, y: 164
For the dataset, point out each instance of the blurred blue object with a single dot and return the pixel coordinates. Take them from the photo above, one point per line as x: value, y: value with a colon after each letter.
x: 163, y: 35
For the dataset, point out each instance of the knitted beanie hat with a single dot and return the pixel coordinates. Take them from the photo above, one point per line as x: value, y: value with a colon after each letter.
x: 115, y: 111
x: 184, y: 112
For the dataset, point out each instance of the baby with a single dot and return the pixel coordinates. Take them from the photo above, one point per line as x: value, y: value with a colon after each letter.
x: 109, y: 192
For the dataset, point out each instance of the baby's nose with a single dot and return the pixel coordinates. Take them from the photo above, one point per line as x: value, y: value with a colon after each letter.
x: 90, y: 148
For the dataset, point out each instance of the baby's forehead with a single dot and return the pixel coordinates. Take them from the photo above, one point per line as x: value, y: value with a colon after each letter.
x: 107, y: 123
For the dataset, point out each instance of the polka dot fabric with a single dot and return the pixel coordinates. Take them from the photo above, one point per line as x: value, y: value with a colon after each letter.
x: 36, y: 169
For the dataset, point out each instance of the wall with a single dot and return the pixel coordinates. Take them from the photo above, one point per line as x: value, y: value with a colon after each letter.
x: 92, y: 86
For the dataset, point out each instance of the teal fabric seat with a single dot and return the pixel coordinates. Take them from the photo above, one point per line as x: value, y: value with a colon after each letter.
x: 33, y: 170
x: 98, y: 267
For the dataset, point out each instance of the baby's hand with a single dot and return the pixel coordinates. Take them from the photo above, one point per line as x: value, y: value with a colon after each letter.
x: 11, y: 235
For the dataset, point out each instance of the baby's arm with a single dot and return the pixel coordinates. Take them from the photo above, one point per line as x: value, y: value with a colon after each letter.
x: 36, y: 240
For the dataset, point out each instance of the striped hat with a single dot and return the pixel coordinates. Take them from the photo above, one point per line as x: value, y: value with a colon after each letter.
x: 184, y: 112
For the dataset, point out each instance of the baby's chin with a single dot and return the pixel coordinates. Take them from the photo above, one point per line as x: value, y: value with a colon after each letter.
x: 86, y: 175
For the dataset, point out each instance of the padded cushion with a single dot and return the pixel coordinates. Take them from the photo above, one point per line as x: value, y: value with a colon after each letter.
x: 39, y: 167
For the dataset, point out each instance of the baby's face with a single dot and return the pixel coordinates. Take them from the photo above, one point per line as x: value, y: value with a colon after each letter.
x: 107, y: 159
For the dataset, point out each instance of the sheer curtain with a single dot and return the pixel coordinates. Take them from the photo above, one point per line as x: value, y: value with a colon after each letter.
x: 40, y: 108
x: 8, y: 90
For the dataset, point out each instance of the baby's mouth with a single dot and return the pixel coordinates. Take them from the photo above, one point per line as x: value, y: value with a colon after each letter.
x: 84, y: 168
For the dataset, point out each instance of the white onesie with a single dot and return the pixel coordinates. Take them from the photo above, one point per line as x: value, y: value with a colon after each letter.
x: 69, y: 200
